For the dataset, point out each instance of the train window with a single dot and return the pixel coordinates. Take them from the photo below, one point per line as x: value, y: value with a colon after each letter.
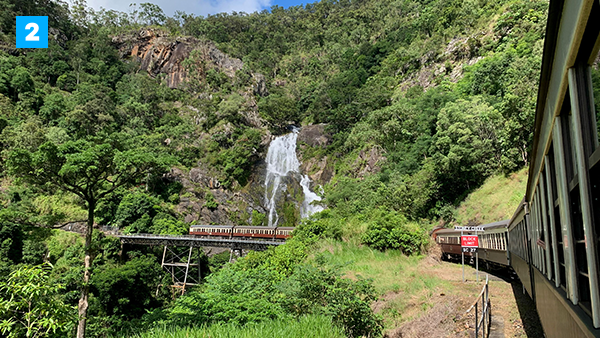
x: 595, y: 70
x: 568, y: 151
x: 583, y: 281
x: 539, y: 236
x: 561, y: 273
x: 518, y: 239
x: 595, y: 187
x: 594, y: 173
x: 525, y: 243
x: 549, y: 219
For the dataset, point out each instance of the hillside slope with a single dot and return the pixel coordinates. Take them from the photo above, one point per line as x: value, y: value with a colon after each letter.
x: 496, y: 200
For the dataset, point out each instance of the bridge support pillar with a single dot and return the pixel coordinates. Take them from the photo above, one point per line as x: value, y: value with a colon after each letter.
x: 235, y: 253
x: 178, y: 262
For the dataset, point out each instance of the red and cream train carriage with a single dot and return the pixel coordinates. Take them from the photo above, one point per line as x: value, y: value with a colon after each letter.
x: 230, y: 231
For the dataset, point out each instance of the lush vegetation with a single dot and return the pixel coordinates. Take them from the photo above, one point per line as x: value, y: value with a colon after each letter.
x: 495, y: 200
x: 424, y: 102
x: 318, y: 326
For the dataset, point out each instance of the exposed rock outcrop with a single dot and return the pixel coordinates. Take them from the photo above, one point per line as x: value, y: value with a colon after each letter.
x: 320, y: 170
x: 459, y: 52
x: 159, y: 53
x: 368, y: 162
x: 314, y: 135
x: 232, y: 208
x: 260, y: 85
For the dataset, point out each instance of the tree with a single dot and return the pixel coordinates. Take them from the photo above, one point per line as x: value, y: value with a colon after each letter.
x: 31, y: 306
x: 91, y: 169
x: 466, y: 148
x: 151, y: 14
x: 279, y: 110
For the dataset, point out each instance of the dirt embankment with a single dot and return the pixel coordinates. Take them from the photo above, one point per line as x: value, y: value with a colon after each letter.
x: 442, y: 313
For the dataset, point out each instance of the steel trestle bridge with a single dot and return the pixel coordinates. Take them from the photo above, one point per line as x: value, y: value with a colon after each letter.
x: 177, y: 253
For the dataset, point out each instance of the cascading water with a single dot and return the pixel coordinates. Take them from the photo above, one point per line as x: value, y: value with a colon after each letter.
x: 281, y: 162
x: 309, y: 196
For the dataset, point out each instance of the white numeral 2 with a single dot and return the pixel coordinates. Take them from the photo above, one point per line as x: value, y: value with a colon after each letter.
x: 32, y: 36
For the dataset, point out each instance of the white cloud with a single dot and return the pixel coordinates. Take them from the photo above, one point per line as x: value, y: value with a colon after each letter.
x: 197, y: 7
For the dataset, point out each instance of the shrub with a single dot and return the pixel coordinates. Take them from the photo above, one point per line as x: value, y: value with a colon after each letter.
x: 133, y: 207
x: 320, y: 289
x: 319, y: 225
x: 258, y: 218
x: 32, y: 305
x: 246, y: 293
x: 231, y: 296
x: 391, y: 230
x: 210, y: 202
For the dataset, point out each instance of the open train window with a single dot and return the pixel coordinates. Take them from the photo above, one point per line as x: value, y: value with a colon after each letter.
x: 595, y: 190
x: 540, y: 235
x: 552, y: 221
x: 594, y: 160
x: 558, y: 237
x: 577, y: 230
x: 591, y: 56
x: 595, y: 73
x: 583, y: 281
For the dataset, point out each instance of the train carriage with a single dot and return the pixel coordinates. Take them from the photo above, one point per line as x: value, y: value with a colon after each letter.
x: 211, y: 230
x: 553, y: 236
x: 283, y: 232
x: 493, y: 242
x: 449, y: 242
x: 254, y: 231
x: 230, y: 231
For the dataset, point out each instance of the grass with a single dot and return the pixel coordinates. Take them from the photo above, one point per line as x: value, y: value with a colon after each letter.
x: 392, y: 271
x: 495, y: 200
x: 406, y: 292
x: 313, y: 326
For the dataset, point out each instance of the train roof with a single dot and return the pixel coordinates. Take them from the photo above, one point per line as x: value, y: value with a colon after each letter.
x: 240, y: 227
x: 486, y: 227
x: 255, y: 227
x: 518, y: 212
x: 496, y: 225
x: 451, y: 231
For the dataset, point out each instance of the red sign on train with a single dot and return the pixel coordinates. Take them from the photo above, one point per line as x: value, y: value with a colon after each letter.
x: 469, y: 241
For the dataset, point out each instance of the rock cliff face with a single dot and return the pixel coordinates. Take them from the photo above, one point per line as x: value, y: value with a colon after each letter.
x: 159, y: 53
x: 226, y: 207
x: 320, y: 170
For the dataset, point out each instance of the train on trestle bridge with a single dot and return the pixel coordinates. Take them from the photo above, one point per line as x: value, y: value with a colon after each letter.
x: 551, y: 242
x: 242, y: 232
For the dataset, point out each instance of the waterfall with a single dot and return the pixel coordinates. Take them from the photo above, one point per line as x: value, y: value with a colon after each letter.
x: 309, y: 196
x: 281, y: 162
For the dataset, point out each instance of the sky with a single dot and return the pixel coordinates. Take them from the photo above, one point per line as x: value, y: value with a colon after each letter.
x: 199, y: 7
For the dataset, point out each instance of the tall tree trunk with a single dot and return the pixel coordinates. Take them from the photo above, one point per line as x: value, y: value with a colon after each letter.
x: 85, y: 290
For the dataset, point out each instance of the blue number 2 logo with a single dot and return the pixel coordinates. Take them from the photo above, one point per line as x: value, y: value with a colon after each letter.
x: 32, y: 31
